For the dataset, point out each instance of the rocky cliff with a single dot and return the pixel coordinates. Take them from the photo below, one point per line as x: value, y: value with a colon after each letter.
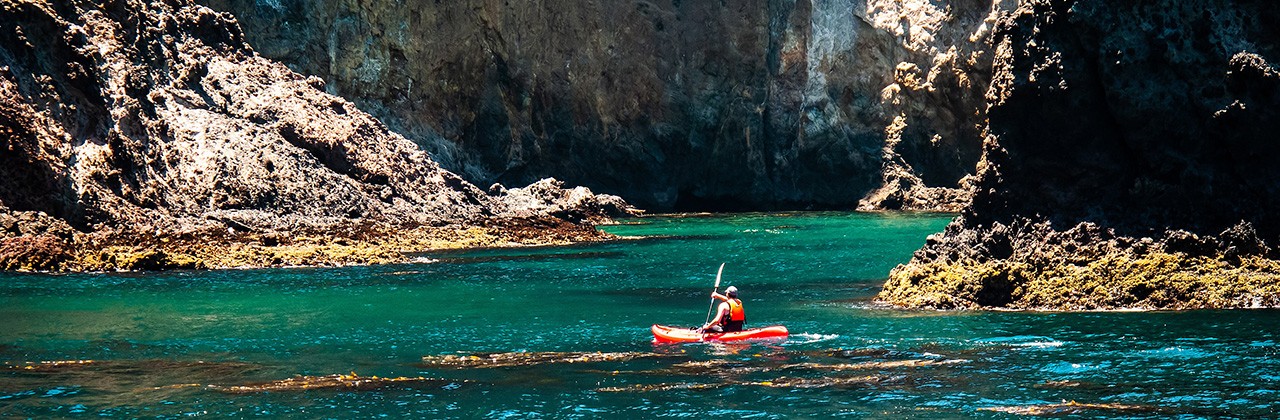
x: 1129, y: 163
x: 733, y: 105
x: 126, y: 119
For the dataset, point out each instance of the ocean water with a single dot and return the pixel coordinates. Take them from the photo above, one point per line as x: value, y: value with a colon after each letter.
x: 563, y: 332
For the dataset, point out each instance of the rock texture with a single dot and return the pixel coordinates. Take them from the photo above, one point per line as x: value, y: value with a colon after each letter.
x: 1129, y: 164
x: 129, y: 118
x: 687, y: 105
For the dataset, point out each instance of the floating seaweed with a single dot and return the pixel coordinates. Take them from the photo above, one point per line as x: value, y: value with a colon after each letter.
x: 873, y: 365
x: 782, y: 382
x: 1066, y: 384
x: 744, y: 367
x: 494, y: 360
x: 821, y: 382
x: 1069, y: 407
x: 145, y: 380
x: 50, y: 366
x: 351, y: 382
x: 705, y: 365
x: 136, y: 367
x: 660, y: 387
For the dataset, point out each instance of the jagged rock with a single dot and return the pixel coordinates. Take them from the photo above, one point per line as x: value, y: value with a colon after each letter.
x: 549, y: 197
x: 174, y: 118
x: 33, y: 223
x: 902, y: 189
x: 33, y: 253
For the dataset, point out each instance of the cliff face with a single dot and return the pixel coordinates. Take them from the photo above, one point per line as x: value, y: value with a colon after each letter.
x: 744, y: 104
x: 157, y: 118
x: 1144, y: 117
x: 1128, y: 163
x: 122, y: 124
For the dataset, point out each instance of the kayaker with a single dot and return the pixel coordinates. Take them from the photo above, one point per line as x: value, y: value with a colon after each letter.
x: 730, y: 316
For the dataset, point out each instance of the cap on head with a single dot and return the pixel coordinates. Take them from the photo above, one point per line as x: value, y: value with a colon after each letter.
x: 731, y: 292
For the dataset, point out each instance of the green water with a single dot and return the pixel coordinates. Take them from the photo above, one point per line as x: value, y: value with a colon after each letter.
x: 167, y: 344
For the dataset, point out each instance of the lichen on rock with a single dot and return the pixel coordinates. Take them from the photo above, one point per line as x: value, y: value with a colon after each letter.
x: 1031, y: 265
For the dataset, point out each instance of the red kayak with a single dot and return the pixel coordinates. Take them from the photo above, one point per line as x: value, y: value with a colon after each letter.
x: 665, y: 334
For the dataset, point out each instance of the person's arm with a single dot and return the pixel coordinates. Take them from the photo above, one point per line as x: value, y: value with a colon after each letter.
x: 719, y: 297
x: 724, y: 308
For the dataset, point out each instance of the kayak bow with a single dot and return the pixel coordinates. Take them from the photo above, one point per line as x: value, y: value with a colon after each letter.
x: 665, y: 334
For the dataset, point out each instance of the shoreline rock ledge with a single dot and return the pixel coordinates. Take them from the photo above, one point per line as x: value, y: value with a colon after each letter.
x: 1130, y: 165
x: 150, y: 135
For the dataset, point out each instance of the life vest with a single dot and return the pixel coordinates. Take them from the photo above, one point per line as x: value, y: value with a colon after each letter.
x: 735, y: 310
x: 737, y: 316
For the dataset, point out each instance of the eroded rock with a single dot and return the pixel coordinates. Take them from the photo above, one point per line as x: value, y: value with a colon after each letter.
x: 137, y: 123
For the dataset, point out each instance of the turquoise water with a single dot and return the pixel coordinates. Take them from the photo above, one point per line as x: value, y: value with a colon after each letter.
x: 171, y: 344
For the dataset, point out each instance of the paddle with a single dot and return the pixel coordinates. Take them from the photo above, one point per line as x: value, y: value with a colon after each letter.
x: 713, y: 290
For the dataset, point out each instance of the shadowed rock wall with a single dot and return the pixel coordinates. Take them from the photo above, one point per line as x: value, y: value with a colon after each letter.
x: 1139, y: 117
x: 1130, y: 163
x: 740, y: 104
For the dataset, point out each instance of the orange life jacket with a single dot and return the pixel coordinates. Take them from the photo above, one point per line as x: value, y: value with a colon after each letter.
x: 736, y: 313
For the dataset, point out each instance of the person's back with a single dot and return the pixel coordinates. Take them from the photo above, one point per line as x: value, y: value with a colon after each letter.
x: 737, y: 315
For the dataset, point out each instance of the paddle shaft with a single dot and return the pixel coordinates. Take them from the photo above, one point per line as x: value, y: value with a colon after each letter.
x: 713, y: 290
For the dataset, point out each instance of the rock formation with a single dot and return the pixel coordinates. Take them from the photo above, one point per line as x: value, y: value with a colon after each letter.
x: 1125, y: 149
x: 129, y: 118
x: 1129, y: 164
x: 737, y: 105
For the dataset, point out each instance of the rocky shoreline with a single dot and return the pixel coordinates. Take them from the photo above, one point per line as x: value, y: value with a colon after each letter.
x: 352, y: 245
x: 1030, y: 265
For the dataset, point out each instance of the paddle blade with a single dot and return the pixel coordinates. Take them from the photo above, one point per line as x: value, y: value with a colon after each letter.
x: 718, y: 273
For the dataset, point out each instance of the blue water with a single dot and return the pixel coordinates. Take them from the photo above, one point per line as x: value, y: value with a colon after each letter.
x: 171, y: 344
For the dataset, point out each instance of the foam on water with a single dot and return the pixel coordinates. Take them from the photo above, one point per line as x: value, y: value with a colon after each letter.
x: 1021, y: 341
x: 1176, y: 352
x: 809, y: 338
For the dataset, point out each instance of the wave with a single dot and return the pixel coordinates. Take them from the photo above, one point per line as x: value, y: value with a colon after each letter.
x: 1032, y: 341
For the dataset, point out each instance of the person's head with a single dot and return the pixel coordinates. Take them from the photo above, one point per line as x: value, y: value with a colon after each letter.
x: 731, y: 292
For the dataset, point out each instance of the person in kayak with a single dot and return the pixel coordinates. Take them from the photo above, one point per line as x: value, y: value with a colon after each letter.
x: 730, y: 317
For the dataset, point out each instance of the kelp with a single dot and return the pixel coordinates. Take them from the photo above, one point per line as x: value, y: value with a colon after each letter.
x: 1070, y: 407
x: 350, y: 382
x: 514, y: 359
x: 50, y: 365
x: 781, y: 382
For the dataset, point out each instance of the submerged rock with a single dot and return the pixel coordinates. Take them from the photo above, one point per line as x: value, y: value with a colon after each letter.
x: 495, y: 360
x: 351, y: 382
